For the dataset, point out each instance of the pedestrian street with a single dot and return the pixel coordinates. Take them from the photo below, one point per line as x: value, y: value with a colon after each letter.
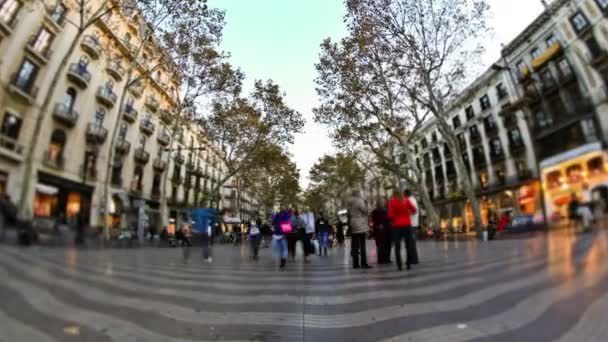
x: 549, y: 287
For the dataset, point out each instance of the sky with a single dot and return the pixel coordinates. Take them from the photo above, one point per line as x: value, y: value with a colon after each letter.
x: 279, y: 40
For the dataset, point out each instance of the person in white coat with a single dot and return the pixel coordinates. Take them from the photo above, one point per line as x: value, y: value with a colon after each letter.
x: 415, y: 217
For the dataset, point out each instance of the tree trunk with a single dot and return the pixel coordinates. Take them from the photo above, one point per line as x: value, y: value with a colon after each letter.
x: 464, y: 181
x: 422, y: 189
x: 111, y: 154
x: 30, y: 175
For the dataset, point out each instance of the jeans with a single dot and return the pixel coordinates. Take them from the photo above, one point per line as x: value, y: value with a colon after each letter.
x: 255, y: 244
x: 358, y: 249
x: 206, y: 242
x: 280, y: 246
x: 403, y: 233
x: 323, y: 242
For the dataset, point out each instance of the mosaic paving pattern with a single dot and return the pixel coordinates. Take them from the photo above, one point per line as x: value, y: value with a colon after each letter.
x: 545, y: 288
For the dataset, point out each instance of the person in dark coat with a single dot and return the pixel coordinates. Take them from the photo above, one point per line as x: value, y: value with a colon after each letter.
x: 381, y: 233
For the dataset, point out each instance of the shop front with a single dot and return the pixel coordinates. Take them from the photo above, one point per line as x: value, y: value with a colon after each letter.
x: 59, y: 198
x: 582, y: 172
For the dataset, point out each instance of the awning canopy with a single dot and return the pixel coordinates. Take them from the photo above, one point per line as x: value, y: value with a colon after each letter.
x: 46, y: 189
x: 546, y: 56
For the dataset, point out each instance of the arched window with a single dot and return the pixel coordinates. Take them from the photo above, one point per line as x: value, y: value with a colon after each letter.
x: 138, y: 175
x: 158, y: 75
x: 100, y: 114
x: 127, y: 37
x: 69, y: 99
x: 142, y: 142
x: 57, y: 145
x: 123, y: 130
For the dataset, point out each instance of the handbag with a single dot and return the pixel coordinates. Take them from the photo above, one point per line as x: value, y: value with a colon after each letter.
x: 287, y: 227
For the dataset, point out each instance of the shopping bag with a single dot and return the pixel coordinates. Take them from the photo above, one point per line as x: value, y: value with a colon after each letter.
x: 286, y: 227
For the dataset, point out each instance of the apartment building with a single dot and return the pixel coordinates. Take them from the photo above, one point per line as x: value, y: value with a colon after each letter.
x: 73, y: 147
x: 534, y: 125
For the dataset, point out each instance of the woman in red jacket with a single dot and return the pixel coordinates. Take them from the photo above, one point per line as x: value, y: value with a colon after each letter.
x: 400, y: 210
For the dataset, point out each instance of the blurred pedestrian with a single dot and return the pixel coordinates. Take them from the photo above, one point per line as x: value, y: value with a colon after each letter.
x: 381, y: 233
x: 282, y: 225
x: 400, y: 210
x: 299, y: 225
x: 255, y: 237
x: 359, y: 229
x: 323, y: 231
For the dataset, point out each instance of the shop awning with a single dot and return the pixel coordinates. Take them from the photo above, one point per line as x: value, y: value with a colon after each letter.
x: 46, y: 189
x: 577, y: 152
x: 229, y: 219
x: 551, y: 52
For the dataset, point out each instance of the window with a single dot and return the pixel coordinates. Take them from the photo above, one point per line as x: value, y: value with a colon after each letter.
x: 594, y: 47
x: 43, y: 41
x: 11, y: 126
x: 515, y: 138
x: 501, y: 91
x: 485, y: 103
x: 127, y: 38
x: 470, y: 112
x: 495, y: 147
x: 109, y: 85
x: 424, y: 143
x: 83, y: 64
x: 69, y: 99
x: 100, y: 114
x: 547, y: 78
x: 535, y: 53
x: 434, y: 137
x: 564, y: 68
x: 579, y: 22
x: 58, y: 14
x: 474, y: 132
x: 490, y: 123
x: 26, y: 75
x: 603, y: 4
x: 543, y: 120
x: 462, y: 141
x: 138, y: 175
x: 142, y: 142
x: 57, y: 146
x: 551, y: 40
x: 8, y: 11
x: 456, y: 121
x: 122, y: 133
x: 522, y: 67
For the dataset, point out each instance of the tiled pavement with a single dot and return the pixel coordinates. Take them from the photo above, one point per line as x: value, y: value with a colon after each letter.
x: 546, y: 288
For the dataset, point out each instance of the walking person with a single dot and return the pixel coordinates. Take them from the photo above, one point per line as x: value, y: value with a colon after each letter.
x: 299, y: 225
x: 400, y: 210
x: 381, y: 233
x: 341, y: 226
x: 281, y: 224
x: 359, y: 228
x: 415, y: 217
x: 323, y: 231
x: 255, y: 237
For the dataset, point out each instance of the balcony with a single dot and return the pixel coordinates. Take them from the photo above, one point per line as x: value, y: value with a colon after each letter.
x: 159, y: 165
x: 129, y: 114
x: 137, y: 89
x: 10, y: 149
x: 475, y: 138
x: 65, y: 115
x: 53, y: 160
x: 146, y: 127
x: 24, y: 92
x: 106, y: 96
x: 497, y: 156
x: 79, y: 75
x: 96, y: 134
x: 90, y: 44
x: 152, y: 103
x: 116, y: 70
x: 122, y: 146
x: 180, y: 159
x: 163, y: 138
x: 141, y: 156
x: 517, y: 146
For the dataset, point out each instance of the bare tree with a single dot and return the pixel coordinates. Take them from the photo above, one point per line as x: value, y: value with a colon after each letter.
x: 241, y: 127
x: 365, y: 104
x: 436, y: 44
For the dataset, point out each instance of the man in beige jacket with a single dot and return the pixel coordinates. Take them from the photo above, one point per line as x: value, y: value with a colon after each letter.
x: 357, y: 209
